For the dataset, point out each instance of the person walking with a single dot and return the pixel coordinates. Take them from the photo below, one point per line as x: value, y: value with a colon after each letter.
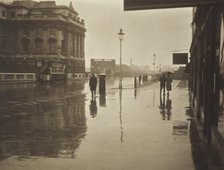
x: 162, y: 80
x: 168, y: 83
x: 93, y: 84
x: 139, y: 80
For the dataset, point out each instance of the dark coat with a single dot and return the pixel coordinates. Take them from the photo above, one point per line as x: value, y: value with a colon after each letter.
x: 168, y: 84
x: 92, y: 83
x: 162, y: 80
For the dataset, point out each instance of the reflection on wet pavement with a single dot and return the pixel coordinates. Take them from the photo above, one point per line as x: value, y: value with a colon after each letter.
x: 51, y: 126
x: 93, y: 107
x: 102, y: 99
x: 59, y: 126
x: 165, y: 106
x: 180, y: 127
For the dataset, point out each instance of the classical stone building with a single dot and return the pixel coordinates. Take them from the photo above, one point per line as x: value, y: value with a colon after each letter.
x: 106, y: 66
x: 40, y: 40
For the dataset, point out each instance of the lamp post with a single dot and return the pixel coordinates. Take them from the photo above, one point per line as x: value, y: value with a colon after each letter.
x: 159, y: 68
x: 154, y: 63
x: 120, y: 37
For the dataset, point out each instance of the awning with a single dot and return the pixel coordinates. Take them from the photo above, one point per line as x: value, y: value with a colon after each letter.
x: 157, y: 4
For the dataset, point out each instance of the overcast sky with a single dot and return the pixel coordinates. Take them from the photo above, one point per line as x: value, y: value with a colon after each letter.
x: 146, y: 31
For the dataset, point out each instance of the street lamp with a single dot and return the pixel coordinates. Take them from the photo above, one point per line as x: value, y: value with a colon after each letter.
x: 120, y: 37
x: 154, y: 63
x: 159, y: 68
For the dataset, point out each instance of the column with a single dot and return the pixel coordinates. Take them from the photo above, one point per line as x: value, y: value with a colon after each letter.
x: 69, y: 43
x: 82, y: 46
x: 75, y: 44
x: 59, y: 39
x: 79, y: 46
x: 45, y: 41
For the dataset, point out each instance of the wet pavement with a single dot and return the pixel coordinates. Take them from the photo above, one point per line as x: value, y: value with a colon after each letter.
x: 59, y: 126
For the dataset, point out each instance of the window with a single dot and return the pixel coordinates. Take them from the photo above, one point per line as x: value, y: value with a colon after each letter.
x: 19, y: 77
x: 29, y: 76
x: 3, y: 13
x: 52, y: 45
x: 9, y: 76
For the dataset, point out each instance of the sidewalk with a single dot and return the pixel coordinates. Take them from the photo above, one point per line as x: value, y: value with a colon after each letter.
x: 160, y: 130
x: 127, y: 130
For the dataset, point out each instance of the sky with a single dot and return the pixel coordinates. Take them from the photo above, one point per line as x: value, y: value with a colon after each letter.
x: 147, y: 32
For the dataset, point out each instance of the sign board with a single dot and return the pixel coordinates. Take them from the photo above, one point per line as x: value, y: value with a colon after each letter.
x: 180, y: 58
x: 156, y: 4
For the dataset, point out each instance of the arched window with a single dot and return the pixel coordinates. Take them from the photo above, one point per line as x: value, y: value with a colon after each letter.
x: 38, y: 45
x: 52, y: 45
x: 25, y: 45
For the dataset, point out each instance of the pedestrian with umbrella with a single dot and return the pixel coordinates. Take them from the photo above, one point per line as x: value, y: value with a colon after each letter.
x: 93, y: 84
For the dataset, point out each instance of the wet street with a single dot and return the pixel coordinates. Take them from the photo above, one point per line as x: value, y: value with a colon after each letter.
x: 57, y: 126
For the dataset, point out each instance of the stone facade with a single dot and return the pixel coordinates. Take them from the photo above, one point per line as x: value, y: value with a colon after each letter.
x: 41, y: 32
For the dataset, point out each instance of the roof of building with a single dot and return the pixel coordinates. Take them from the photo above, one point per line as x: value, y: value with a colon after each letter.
x: 3, y: 4
x: 44, y: 7
x: 29, y: 4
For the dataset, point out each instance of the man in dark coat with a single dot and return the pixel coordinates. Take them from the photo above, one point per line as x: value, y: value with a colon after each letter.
x: 93, y: 84
x: 168, y: 83
x: 162, y: 80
